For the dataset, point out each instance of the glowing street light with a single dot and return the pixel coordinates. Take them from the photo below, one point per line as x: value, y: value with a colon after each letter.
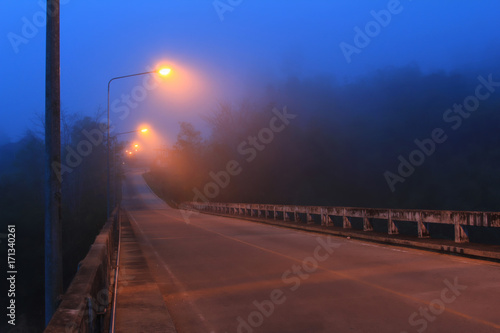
x: 164, y: 71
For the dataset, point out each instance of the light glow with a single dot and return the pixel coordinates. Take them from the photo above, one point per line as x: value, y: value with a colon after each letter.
x: 164, y: 71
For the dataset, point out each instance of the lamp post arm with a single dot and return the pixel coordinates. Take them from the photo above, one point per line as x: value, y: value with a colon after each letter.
x: 114, y: 136
x: 124, y: 76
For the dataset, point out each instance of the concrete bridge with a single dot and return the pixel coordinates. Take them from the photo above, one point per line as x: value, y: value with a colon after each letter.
x: 301, y: 269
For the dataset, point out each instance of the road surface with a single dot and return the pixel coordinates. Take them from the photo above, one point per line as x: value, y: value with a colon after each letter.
x: 219, y: 274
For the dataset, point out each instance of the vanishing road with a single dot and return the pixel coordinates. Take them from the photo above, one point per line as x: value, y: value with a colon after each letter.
x: 219, y: 274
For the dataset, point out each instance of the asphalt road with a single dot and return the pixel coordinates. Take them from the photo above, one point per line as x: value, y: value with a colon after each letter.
x: 220, y: 274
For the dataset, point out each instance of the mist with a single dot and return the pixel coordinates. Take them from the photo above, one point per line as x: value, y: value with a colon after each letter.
x: 385, y: 104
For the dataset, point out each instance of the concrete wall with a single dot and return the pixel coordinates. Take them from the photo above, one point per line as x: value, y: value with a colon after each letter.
x: 87, y: 299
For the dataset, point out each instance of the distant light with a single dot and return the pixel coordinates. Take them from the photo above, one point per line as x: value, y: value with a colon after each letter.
x: 164, y: 71
x: 144, y: 130
x: 136, y: 146
x: 130, y: 153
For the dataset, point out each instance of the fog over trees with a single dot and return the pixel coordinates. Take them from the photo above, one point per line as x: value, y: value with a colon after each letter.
x: 306, y: 141
x: 397, y: 138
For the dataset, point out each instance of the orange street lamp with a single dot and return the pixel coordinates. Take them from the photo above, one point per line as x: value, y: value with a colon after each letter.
x: 164, y: 71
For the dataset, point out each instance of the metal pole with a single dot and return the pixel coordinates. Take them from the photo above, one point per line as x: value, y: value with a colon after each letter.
x: 117, y: 271
x: 53, y: 248
x: 126, y: 133
x: 108, y: 177
x: 113, y: 177
x: 108, y: 191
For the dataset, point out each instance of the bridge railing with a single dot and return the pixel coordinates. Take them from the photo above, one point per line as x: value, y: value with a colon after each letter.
x: 86, y: 300
x: 461, y: 220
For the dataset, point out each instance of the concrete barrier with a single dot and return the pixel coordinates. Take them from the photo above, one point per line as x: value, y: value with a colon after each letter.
x: 86, y: 301
x: 460, y: 219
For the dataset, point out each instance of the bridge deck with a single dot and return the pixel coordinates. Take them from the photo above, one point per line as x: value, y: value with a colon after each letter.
x: 219, y: 274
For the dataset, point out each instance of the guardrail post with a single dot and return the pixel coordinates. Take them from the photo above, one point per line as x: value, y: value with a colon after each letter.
x: 275, y: 213
x: 310, y: 219
x: 346, y: 224
x: 461, y: 235
x: 326, y: 219
x: 392, y: 229
x: 367, y: 224
x: 286, y: 218
x: 423, y: 231
x: 296, y: 216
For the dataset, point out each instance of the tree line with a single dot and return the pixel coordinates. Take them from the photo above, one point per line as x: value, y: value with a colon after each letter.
x: 368, y: 143
x: 22, y: 204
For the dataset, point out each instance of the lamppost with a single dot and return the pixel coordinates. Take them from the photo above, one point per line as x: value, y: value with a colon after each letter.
x: 164, y: 72
x: 113, y: 175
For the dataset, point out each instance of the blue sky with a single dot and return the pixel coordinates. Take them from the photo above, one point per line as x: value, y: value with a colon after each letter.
x: 258, y: 42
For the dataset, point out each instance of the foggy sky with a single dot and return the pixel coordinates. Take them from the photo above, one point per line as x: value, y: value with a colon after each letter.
x: 223, y: 52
